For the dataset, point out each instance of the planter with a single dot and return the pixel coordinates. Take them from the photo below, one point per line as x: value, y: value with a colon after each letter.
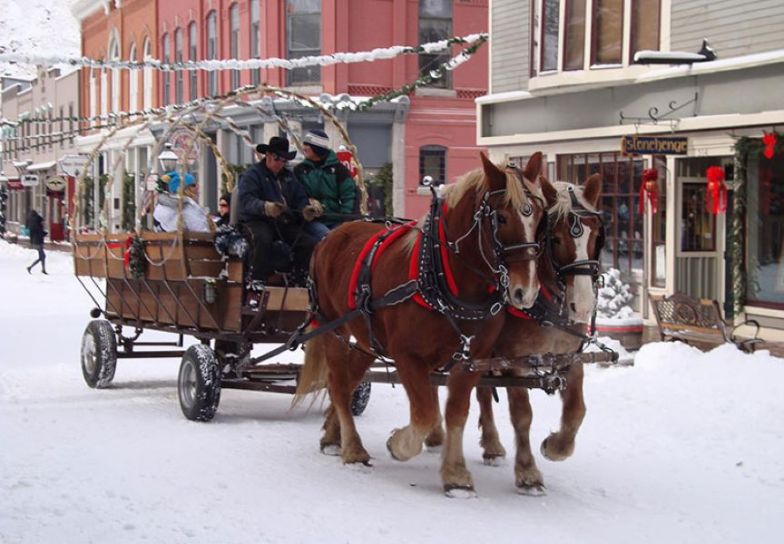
x: 627, y: 330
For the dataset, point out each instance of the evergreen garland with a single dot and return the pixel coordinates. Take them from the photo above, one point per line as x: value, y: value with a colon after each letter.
x: 136, y: 259
x: 745, y: 147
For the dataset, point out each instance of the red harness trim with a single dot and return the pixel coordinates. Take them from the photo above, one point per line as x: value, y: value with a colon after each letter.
x: 397, y: 232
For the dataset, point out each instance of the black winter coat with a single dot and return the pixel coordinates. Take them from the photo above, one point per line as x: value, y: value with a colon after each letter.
x: 35, y: 224
x: 258, y: 185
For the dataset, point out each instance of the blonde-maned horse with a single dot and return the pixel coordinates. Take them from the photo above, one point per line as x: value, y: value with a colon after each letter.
x: 486, y: 236
x: 567, y: 269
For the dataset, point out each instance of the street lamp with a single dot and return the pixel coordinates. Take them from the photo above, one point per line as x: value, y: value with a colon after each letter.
x: 168, y: 158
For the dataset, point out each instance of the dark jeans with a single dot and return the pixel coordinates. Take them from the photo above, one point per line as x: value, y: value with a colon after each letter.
x: 41, y: 258
x: 265, y: 233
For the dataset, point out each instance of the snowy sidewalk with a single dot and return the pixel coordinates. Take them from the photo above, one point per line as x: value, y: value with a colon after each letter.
x: 682, y: 447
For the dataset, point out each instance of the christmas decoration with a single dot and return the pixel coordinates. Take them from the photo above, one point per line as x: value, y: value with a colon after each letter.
x: 246, y: 64
x: 614, y: 297
x: 347, y: 158
x: 769, y: 141
x: 3, y: 208
x: 649, y: 187
x: 135, y: 260
x: 716, y: 195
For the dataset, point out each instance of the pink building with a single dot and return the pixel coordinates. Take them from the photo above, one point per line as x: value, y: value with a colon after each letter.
x: 433, y: 134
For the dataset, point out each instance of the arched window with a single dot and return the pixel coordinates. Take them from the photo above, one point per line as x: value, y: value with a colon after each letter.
x: 234, y: 41
x: 133, y: 82
x: 147, y: 76
x: 303, y: 38
x: 432, y: 162
x: 255, y: 39
x: 193, y: 54
x: 435, y: 23
x: 178, y: 75
x: 212, y: 52
x: 116, y: 91
x: 166, y: 76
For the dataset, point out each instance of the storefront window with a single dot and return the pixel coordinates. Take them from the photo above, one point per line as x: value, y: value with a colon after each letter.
x: 698, y: 225
x: 621, y: 179
x: 765, y: 230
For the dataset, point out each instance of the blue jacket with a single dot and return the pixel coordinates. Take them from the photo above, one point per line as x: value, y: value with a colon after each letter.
x: 258, y: 185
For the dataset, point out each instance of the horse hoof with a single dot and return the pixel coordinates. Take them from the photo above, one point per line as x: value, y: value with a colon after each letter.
x: 459, y: 492
x: 553, y: 453
x: 359, y: 466
x: 493, y: 460
x: 433, y: 449
x: 532, y: 490
x: 331, y: 449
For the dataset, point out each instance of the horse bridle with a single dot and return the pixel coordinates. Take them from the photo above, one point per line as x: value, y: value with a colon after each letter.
x: 581, y: 267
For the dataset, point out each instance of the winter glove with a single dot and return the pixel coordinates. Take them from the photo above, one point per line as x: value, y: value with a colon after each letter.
x: 316, y: 206
x: 309, y: 213
x: 273, y: 209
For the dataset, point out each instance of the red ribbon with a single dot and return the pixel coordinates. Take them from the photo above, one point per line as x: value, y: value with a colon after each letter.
x: 716, y: 195
x: 769, y: 140
x: 649, y: 187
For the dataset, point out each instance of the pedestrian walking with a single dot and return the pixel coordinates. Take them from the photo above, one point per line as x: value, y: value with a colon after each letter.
x: 35, y: 225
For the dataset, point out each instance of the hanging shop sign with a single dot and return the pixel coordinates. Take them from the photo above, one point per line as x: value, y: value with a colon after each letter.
x: 634, y: 144
x: 29, y: 180
x: 73, y: 165
x: 15, y: 184
x: 55, y: 184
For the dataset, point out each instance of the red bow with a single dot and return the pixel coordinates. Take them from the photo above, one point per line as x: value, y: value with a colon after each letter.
x: 649, y: 187
x: 716, y: 195
x: 769, y: 140
x: 127, y: 252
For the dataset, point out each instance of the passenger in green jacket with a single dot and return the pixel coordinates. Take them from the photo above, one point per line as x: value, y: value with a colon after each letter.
x: 327, y: 182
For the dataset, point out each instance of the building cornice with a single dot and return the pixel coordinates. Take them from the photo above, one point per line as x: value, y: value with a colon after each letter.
x: 82, y: 9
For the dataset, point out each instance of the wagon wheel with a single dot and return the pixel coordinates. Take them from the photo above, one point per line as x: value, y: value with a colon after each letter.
x: 199, y: 383
x: 99, y: 353
x: 360, y: 398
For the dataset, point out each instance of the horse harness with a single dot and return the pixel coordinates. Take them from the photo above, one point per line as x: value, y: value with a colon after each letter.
x: 430, y: 278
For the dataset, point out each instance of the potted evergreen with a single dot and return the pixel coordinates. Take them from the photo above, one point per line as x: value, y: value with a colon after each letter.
x: 614, y: 317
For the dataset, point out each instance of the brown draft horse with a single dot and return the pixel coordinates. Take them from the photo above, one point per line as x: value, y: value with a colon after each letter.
x: 567, y: 270
x: 490, y: 228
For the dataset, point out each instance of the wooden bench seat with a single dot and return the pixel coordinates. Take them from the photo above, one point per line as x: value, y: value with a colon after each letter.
x: 698, y: 322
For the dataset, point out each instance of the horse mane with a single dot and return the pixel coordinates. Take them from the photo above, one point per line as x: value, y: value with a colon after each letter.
x: 475, y: 180
x: 563, y: 205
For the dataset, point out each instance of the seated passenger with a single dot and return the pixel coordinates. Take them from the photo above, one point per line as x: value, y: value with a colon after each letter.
x: 224, y: 210
x: 327, y: 182
x: 165, y: 213
x: 272, y: 206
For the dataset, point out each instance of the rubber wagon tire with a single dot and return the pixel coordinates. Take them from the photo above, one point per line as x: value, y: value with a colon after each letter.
x: 199, y: 383
x: 99, y: 353
x: 360, y: 398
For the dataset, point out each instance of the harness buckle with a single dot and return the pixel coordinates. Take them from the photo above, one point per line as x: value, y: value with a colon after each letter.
x: 496, y: 308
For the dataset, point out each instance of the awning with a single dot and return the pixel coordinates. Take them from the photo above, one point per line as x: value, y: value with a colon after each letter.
x: 41, y: 166
x: 15, y: 184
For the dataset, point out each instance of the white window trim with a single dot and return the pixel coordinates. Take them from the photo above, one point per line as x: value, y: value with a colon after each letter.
x: 133, y: 82
x: 593, y: 73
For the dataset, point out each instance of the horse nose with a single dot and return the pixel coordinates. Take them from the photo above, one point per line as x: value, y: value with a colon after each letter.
x: 520, y: 298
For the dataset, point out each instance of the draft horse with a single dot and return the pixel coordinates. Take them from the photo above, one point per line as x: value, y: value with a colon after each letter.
x: 568, y: 270
x: 433, y: 291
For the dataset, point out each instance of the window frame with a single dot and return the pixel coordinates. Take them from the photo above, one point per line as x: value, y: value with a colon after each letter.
x: 435, y: 59
x: 166, y: 76
x: 179, y: 84
x: 255, y: 39
x: 193, y: 55
x: 433, y: 150
x: 234, y: 41
x: 212, y: 51
x: 292, y: 76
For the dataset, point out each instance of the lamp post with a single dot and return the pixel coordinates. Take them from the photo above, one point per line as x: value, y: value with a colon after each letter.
x: 168, y: 159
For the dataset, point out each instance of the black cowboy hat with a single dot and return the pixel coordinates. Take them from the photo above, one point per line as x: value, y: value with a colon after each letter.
x: 278, y: 145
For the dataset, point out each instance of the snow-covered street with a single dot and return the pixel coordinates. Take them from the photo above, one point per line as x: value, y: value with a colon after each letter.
x: 682, y: 447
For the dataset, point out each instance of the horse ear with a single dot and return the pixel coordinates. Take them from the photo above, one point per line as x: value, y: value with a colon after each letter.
x: 549, y: 191
x: 496, y: 178
x: 534, y: 167
x: 592, y: 189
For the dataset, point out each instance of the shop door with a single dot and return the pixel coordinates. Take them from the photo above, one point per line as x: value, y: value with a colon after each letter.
x: 699, y: 265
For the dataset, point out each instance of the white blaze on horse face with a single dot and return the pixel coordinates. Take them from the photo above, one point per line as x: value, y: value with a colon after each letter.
x: 580, y: 295
x: 523, y: 295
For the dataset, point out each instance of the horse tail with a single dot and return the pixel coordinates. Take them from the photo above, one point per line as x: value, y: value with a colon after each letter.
x: 313, y: 375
